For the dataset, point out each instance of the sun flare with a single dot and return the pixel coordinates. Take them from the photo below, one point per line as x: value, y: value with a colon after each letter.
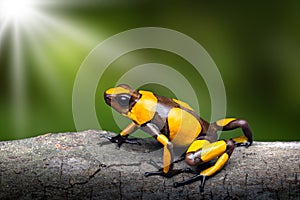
x: 29, y: 30
x: 16, y: 9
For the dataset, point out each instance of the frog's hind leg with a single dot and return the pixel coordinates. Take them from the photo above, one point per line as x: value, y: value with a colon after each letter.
x: 202, y: 151
x: 233, y: 123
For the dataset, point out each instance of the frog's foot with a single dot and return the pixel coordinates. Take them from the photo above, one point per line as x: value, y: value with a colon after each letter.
x: 155, y: 173
x: 200, y: 177
x: 241, y: 141
x: 154, y: 164
x: 170, y: 174
x: 121, y: 139
x: 246, y: 144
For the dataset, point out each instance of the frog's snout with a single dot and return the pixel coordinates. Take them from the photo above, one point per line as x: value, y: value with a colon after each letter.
x: 107, y: 98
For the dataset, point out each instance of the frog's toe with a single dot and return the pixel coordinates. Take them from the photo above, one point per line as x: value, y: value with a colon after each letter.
x: 155, y: 173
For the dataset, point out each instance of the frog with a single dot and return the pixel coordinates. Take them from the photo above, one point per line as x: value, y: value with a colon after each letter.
x: 174, y: 123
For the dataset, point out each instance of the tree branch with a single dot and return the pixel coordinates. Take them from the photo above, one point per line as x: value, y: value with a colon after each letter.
x: 83, y: 165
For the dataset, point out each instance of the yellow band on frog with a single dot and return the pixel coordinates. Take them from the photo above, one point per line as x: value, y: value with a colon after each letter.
x: 144, y: 110
x: 213, y: 150
x: 117, y: 90
x: 224, y: 122
x: 167, y: 160
x: 197, y: 145
x: 240, y: 140
x: 162, y: 139
x: 217, y: 166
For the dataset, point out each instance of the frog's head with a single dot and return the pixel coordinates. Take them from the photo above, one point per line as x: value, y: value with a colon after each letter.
x: 121, y: 98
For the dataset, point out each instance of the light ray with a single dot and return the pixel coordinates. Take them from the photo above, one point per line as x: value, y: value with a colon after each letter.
x: 3, y: 28
x: 40, y: 30
x: 18, y: 83
x: 45, y: 67
x: 67, y: 27
x: 54, y: 31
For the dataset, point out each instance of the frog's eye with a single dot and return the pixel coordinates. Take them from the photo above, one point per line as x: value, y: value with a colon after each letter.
x: 123, y: 100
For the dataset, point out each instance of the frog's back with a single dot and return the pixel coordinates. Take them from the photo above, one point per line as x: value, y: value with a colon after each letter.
x: 182, y: 124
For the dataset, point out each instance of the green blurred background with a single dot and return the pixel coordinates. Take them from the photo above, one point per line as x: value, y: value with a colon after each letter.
x: 256, y: 46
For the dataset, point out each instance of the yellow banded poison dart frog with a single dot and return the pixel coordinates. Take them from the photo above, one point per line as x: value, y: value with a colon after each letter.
x: 174, y: 123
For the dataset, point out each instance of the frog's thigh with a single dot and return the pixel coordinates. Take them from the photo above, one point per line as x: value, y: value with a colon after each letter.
x: 201, y: 151
x: 213, y: 150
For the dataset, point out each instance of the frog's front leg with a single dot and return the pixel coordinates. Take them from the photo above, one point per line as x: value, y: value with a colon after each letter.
x: 168, y: 150
x: 167, y: 169
x: 123, y: 136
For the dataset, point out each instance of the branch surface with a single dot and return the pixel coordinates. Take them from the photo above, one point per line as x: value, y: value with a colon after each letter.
x: 83, y: 165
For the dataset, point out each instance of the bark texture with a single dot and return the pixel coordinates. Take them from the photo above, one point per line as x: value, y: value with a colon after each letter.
x: 83, y: 165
